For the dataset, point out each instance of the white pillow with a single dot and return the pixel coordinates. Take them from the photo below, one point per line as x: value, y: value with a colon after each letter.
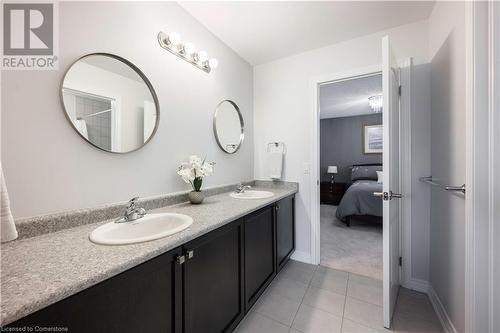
x: 380, y: 175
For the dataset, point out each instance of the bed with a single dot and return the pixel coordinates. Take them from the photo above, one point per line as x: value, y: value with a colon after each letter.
x: 358, y: 200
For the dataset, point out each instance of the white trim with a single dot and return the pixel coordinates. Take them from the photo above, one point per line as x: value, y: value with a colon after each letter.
x: 417, y: 285
x: 482, y: 128
x: 494, y: 158
x: 469, y: 168
x: 301, y: 256
x: 494, y: 111
x: 314, y: 158
x: 406, y: 169
x: 441, y: 311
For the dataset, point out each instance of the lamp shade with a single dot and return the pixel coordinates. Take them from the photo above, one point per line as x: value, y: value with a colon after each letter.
x: 332, y: 169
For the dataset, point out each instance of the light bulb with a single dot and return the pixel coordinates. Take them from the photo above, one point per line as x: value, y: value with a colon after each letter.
x: 174, y: 38
x: 376, y: 103
x: 213, y: 63
x: 189, y: 48
x: 202, y: 56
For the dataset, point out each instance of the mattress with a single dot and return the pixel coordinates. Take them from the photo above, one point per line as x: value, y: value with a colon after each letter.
x: 359, y: 200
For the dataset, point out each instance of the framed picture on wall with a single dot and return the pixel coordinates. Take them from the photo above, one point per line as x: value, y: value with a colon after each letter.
x: 372, y: 139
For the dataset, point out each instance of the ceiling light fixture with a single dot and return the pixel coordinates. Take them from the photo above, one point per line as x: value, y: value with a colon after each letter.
x: 375, y: 103
x: 172, y: 42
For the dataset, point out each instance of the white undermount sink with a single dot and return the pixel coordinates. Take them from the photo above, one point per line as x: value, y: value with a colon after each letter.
x: 150, y: 227
x: 252, y: 194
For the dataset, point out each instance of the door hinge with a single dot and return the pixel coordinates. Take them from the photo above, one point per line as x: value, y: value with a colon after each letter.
x: 400, y: 261
x: 399, y: 90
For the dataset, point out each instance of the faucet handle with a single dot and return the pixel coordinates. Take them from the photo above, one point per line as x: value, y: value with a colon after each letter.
x: 133, y: 200
x: 131, y: 203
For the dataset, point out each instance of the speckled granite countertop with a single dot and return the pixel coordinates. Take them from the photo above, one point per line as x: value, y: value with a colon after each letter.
x: 39, y: 271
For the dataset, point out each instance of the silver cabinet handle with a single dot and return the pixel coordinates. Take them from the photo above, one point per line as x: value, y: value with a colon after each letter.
x: 190, y: 254
x: 181, y: 260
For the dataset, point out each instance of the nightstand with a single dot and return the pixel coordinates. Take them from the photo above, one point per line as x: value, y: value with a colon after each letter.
x: 330, y: 194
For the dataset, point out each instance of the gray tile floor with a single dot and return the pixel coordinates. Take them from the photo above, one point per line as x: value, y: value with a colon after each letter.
x: 306, y: 298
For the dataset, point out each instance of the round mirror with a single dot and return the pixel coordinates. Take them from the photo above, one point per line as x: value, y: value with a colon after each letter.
x: 110, y: 103
x: 228, y: 126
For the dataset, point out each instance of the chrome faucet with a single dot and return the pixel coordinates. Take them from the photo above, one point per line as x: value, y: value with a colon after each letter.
x: 242, y: 188
x: 133, y: 212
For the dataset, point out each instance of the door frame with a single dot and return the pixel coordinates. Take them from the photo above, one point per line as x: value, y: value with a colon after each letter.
x: 405, y: 144
x: 482, y: 162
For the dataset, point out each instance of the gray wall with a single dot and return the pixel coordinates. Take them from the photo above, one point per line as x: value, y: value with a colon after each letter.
x: 49, y: 168
x: 447, y: 254
x: 341, y: 144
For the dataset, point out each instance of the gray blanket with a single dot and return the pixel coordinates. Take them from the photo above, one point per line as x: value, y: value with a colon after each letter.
x: 359, y: 200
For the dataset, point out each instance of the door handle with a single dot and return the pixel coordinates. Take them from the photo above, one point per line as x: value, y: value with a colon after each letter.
x: 386, y: 196
x: 395, y: 195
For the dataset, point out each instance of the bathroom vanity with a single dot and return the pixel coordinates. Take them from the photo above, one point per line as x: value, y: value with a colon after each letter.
x: 205, y: 284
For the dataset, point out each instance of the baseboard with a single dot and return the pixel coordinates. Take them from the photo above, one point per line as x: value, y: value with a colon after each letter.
x: 301, y: 256
x: 441, y: 311
x: 417, y: 285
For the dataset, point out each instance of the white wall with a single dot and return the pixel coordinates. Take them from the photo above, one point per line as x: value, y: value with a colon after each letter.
x: 49, y: 168
x: 283, y: 108
x: 447, y: 56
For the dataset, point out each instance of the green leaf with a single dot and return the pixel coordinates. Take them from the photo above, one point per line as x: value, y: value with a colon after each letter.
x: 197, y: 183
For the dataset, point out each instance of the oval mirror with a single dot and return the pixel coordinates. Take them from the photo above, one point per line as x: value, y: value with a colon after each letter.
x: 228, y: 126
x: 110, y: 103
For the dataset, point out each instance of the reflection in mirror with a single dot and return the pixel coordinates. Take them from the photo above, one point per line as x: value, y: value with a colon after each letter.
x: 228, y: 126
x: 110, y: 102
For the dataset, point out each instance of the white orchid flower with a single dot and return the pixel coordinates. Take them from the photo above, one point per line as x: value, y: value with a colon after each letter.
x: 192, y: 172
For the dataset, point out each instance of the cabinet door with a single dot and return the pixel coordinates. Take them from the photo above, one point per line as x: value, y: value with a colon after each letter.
x: 213, y: 281
x: 259, y: 253
x: 285, y: 230
x: 138, y: 300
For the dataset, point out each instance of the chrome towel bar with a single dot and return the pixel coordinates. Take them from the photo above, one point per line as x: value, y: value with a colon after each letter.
x: 429, y: 180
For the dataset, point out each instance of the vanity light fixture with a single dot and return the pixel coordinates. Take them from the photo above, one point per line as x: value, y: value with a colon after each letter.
x: 375, y: 103
x: 187, y: 51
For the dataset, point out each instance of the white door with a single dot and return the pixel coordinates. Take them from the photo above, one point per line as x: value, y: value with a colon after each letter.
x: 391, y: 188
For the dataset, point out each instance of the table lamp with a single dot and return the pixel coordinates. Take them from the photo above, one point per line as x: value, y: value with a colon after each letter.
x: 332, y: 169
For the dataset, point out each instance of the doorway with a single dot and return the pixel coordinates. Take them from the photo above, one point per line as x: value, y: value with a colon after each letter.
x: 396, y: 233
x: 350, y: 172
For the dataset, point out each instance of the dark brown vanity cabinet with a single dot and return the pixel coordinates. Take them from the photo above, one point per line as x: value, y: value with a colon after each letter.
x: 206, y: 285
x: 285, y: 230
x: 142, y: 299
x: 260, y: 260
x: 213, y: 281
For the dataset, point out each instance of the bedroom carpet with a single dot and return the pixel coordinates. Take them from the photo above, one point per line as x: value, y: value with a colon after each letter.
x: 356, y: 249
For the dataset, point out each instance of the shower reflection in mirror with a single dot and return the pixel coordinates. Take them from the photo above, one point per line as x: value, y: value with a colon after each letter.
x: 110, y: 103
